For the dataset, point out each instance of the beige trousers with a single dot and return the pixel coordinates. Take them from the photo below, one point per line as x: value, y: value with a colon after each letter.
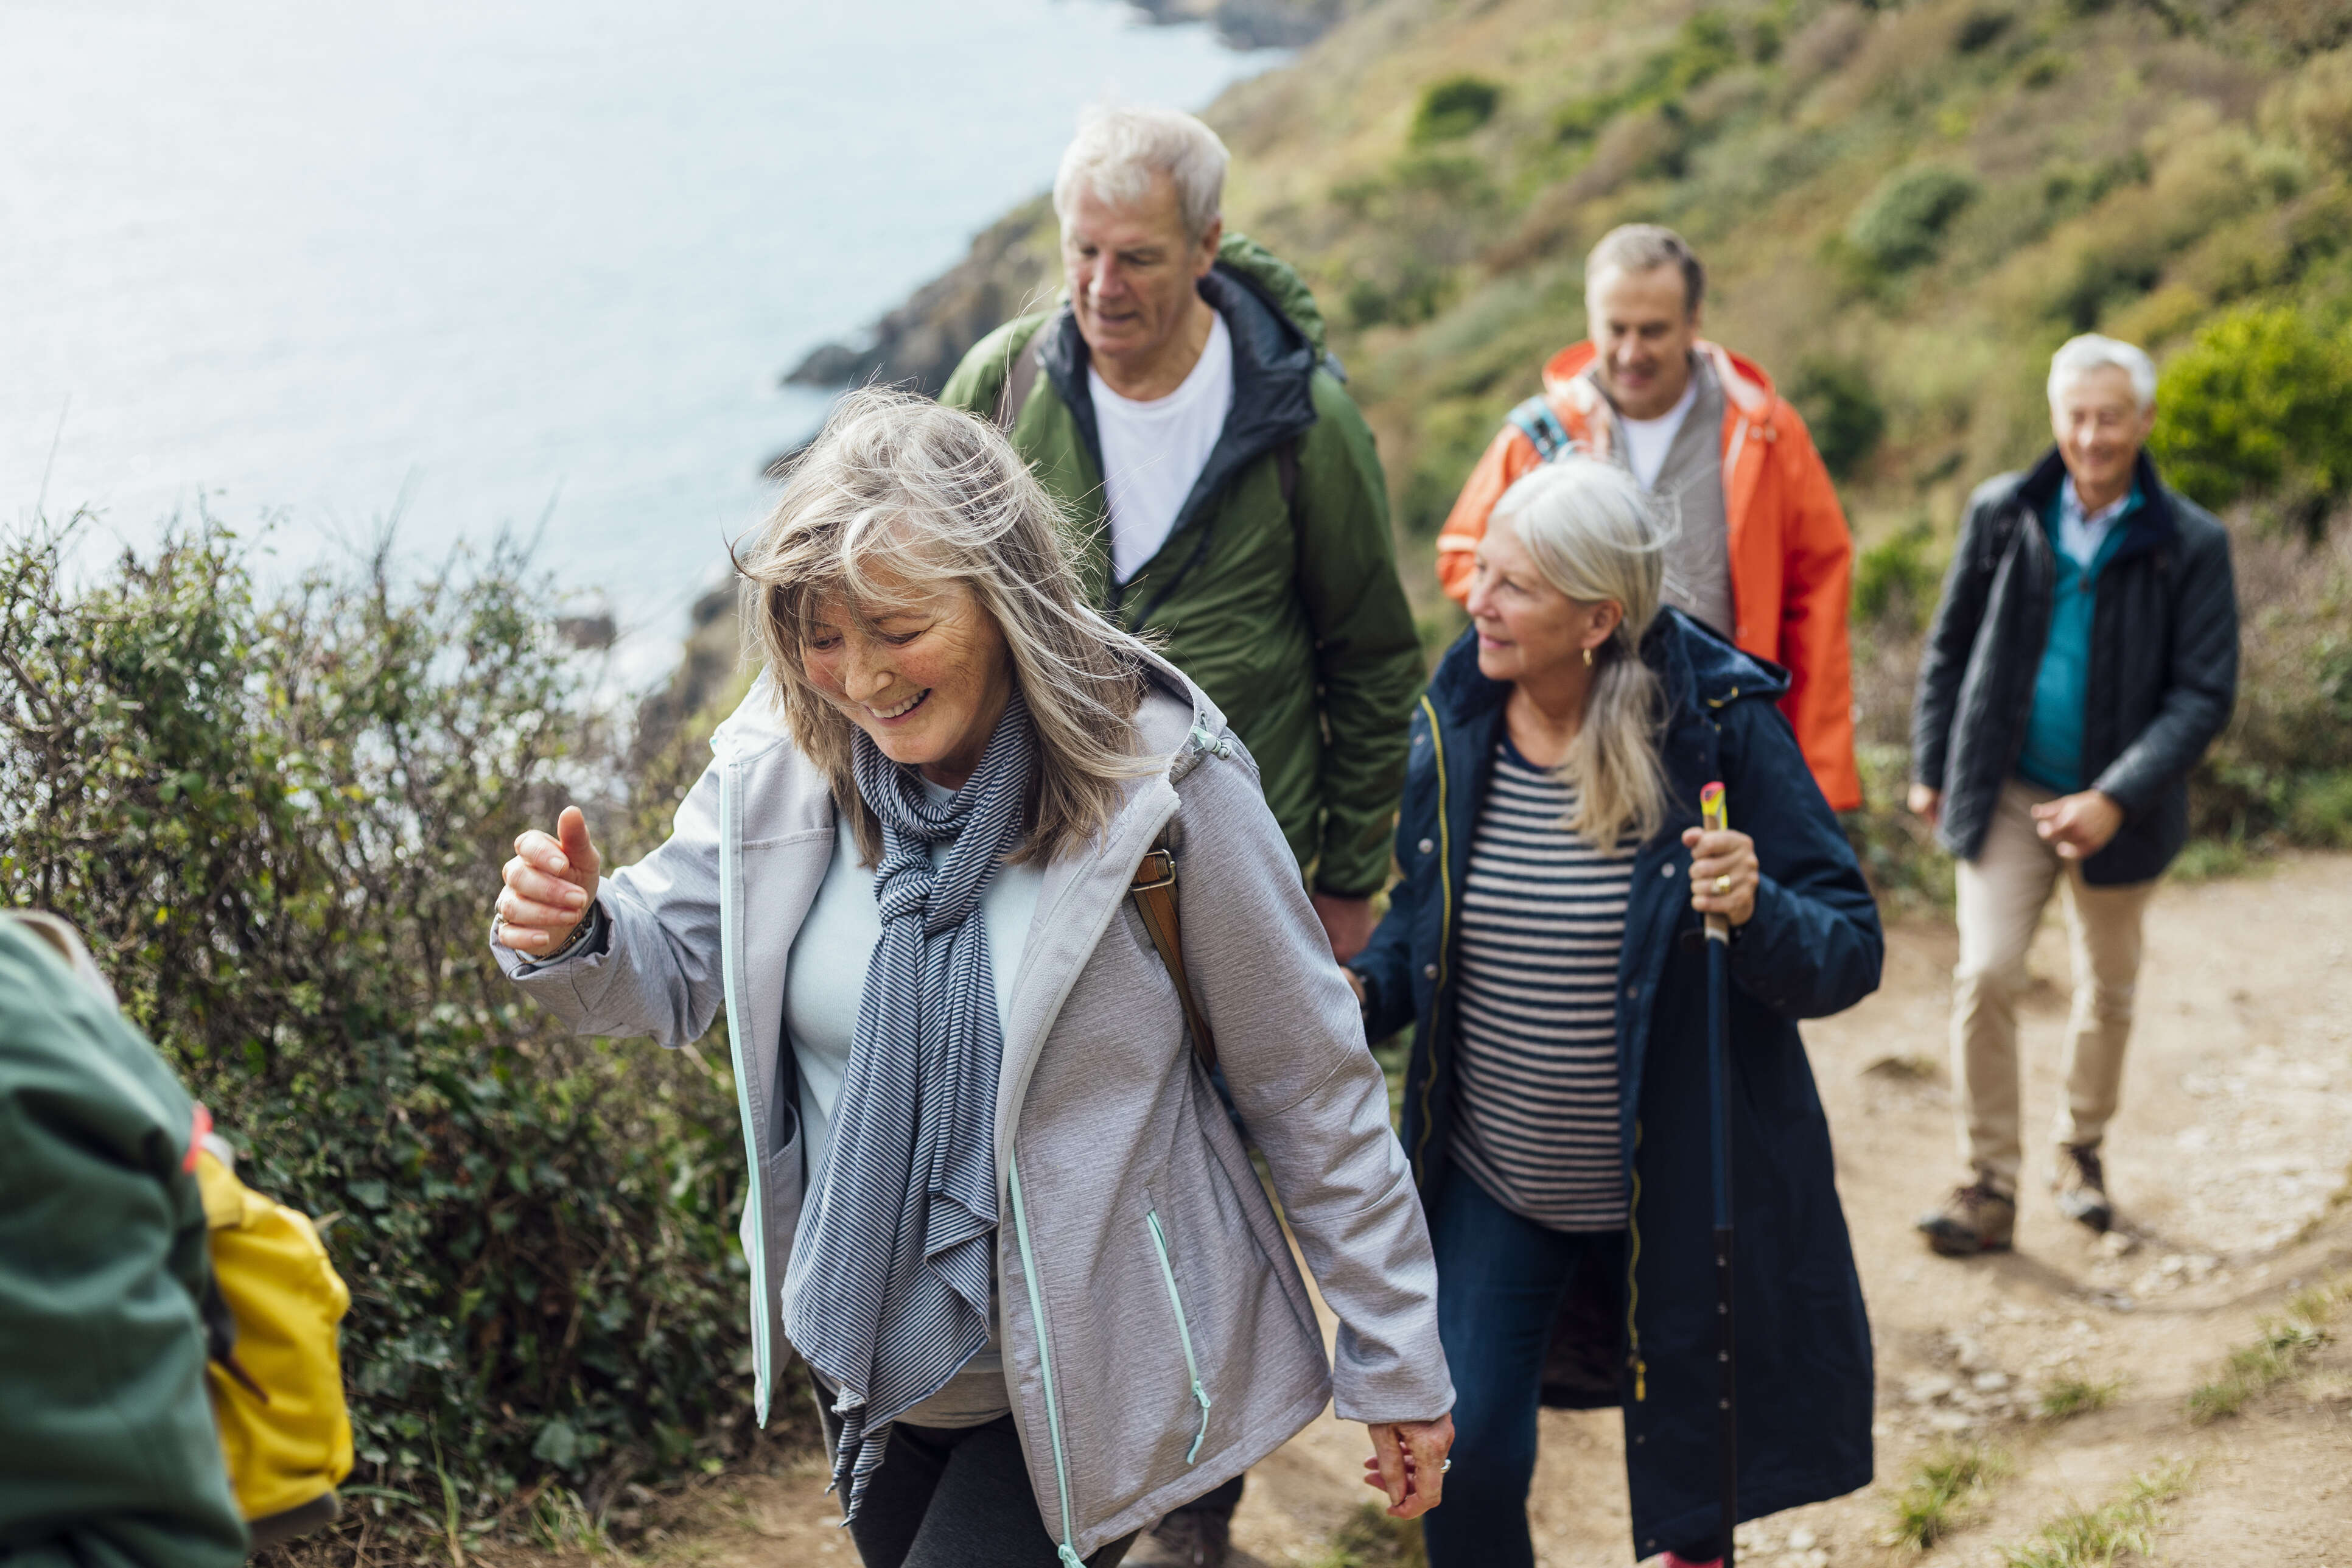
x: 2003, y: 893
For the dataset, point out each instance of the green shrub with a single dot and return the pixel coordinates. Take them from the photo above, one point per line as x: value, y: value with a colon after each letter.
x: 1413, y: 294
x: 1453, y: 107
x: 1580, y: 119
x: 2283, y: 769
x: 1908, y: 870
x: 1980, y: 29
x: 279, y: 817
x: 1842, y: 409
x: 1895, y: 580
x: 1702, y: 48
x: 2260, y: 404
x: 1902, y: 224
x: 2319, y: 809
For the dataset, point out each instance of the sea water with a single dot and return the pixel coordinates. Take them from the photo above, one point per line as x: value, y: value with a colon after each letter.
x: 495, y: 263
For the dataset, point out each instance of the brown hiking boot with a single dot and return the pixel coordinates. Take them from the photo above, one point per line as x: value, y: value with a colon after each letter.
x: 1183, y: 1540
x: 1974, y: 1219
x: 2081, y: 1186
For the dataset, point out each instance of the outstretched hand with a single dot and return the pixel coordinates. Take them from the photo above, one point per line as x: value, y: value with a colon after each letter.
x: 1408, y: 1463
x: 549, y: 884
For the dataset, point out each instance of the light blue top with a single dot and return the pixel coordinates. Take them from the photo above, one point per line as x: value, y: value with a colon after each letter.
x: 2082, y: 543
x: 823, y: 980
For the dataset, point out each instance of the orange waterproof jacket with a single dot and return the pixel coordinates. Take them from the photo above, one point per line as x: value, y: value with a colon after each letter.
x: 1791, y: 557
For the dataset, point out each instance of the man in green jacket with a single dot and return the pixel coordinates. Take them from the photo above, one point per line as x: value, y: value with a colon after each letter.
x: 107, y: 1454
x: 1181, y: 405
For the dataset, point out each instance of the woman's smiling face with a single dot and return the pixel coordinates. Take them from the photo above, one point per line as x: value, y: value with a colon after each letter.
x: 925, y: 674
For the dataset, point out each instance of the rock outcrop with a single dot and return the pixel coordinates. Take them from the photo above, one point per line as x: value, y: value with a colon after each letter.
x: 1011, y: 267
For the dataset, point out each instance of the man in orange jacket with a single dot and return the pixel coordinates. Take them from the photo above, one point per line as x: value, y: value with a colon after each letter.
x: 1761, y: 552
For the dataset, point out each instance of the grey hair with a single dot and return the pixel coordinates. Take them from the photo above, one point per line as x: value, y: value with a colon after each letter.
x: 899, y: 498
x: 1120, y: 147
x: 2077, y: 357
x: 1593, y: 534
x: 1644, y: 246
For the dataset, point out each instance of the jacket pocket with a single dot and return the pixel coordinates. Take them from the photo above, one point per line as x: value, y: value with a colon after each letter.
x: 1183, y: 1328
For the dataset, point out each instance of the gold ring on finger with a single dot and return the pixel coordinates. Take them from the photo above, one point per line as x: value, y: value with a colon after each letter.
x: 1723, y: 884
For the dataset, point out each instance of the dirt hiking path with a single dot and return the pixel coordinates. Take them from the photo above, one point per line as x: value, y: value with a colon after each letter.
x: 2229, y: 1163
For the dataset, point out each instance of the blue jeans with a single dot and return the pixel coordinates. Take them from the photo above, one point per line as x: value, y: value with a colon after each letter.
x: 1500, y: 1282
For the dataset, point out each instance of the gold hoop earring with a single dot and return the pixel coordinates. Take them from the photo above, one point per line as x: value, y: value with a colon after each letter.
x: 1588, y: 658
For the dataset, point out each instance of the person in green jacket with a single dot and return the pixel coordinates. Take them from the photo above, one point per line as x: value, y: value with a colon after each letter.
x: 107, y: 1454
x: 1180, y: 404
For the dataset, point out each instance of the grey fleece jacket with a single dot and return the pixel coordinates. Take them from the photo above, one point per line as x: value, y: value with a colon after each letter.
x: 1157, y: 1340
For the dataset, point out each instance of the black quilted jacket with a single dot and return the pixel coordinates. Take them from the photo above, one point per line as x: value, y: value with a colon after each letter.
x: 2164, y: 665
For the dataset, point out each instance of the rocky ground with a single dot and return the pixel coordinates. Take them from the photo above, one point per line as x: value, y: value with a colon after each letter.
x: 2229, y: 1161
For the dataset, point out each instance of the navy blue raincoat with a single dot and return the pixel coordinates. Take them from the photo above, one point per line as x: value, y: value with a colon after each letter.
x: 1813, y: 947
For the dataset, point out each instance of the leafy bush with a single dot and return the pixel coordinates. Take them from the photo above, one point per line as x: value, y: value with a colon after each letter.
x: 1842, y: 409
x: 2260, y: 404
x: 2318, y: 106
x: 1894, y: 581
x: 1902, y: 224
x: 279, y: 818
x: 2282, y: 770
x: 1453, y: 109
x: 1413, y: 295
x: 1702, y: 48
x: 1980, y: 29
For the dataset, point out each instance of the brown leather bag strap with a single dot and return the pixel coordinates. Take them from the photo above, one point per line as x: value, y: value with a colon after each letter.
x: 1154, y: 892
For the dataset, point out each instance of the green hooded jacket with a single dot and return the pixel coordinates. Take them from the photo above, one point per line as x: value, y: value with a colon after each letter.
x: 1289, y: 616
x: 107, y: 1454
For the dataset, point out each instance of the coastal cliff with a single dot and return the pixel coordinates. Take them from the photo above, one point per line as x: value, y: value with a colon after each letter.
x: 1902, y: 207
x: 1011, y: 264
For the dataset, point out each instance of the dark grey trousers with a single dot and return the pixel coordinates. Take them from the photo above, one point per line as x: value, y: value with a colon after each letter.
x: 956, y: 1499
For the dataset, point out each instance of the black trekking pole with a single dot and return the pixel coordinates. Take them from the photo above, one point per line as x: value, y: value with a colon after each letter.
x: 1715, y: 819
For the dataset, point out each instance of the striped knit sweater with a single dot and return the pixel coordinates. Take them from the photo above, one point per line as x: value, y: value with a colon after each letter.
x: 1543, y: 918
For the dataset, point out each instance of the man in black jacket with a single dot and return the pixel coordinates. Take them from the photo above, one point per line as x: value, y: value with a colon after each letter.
x: 2084, y: 655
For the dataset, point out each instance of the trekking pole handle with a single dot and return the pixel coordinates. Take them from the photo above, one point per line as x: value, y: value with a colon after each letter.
x: 1715, y: 818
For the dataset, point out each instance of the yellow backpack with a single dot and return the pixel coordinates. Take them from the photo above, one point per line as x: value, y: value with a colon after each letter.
x: 276, y: 1371
x: 278, y: 1394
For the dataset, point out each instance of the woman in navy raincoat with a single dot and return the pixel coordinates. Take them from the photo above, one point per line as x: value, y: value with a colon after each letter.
x: 1545, y: 942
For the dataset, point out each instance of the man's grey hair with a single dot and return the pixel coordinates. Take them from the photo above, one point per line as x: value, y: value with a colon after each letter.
x: 1118, y: 150
x: 2078, y: 357
x: 1644, y: 246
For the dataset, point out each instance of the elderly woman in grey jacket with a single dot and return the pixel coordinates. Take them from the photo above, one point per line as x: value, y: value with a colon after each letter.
x: 995, y: 1204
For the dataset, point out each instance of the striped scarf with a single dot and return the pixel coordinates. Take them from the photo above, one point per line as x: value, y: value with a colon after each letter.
x: 888, y: 1293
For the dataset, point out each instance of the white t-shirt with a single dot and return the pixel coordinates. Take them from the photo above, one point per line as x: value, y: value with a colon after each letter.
x: 1153, y: 451
x: 1647, y: 441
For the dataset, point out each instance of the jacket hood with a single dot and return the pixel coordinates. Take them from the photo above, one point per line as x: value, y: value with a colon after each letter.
x: 1278, y: 283
x: 1745, y: 386
x: 1274, y: 364
x: 1697, y: 666
x: 1274, y: 361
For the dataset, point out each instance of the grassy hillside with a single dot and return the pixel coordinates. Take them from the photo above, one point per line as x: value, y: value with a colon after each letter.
x: 1905, y: 208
